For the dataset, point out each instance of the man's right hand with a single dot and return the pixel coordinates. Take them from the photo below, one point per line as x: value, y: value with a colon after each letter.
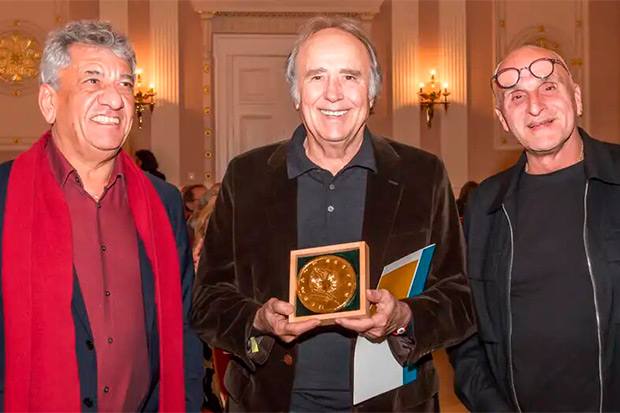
x: 272, y: 318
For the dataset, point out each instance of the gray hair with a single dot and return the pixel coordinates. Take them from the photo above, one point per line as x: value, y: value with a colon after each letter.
x: 88, y: 32
x: 347, y: 25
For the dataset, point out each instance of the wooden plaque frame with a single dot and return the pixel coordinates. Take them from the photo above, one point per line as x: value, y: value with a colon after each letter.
x: 363, y: 284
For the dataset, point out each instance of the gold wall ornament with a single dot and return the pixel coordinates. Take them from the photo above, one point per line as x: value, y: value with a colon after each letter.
x: 206, y: 90
x: 206, y: 68
x: 208, y: 154
x: 541, y: 28
x: 20, y: 56
x: 207, y: 132
x: 17, y: 92
x: 207, y: 111
x: 208, y: 175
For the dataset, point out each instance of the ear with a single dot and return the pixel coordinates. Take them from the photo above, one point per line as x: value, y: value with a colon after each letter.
x: 502, y: 119
x: 47, y: 103
x: 577, y: 96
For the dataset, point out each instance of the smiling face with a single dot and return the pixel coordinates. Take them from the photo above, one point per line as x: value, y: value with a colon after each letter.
x: 333, y: 77
x: 540, y: 113
x: 92, y: 110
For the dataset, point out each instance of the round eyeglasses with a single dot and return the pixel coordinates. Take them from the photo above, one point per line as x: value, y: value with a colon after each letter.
x: 540, y: 68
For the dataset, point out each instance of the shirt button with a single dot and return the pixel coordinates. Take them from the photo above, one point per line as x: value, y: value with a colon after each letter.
x: 98, y: 204
x: 106, y: 389
x: 103, y: 248
x: 332, y: 186
x: 110, y: 340
x: 107, y: 293
x: 77, y: 179
x: 330, y: 208
x: 288, y: 360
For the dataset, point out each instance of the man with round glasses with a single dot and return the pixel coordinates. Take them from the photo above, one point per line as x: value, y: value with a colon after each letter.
x: 544, y: 254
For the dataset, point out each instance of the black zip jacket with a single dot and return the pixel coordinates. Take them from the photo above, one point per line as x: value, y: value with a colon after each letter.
x: 482, y: 364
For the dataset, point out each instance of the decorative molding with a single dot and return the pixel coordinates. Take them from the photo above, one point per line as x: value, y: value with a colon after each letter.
x: 359, y: 7
x: 207, y: 96
x: 165, y: 129
x: 21, y: 48
x: 405, y: 72
x: 270, y: 15
x: 454, y: 137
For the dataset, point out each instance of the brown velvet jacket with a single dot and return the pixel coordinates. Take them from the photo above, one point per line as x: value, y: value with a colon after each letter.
x: 409, y: 205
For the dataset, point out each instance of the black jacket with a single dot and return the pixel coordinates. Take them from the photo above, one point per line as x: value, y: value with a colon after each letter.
x: 483, y: 373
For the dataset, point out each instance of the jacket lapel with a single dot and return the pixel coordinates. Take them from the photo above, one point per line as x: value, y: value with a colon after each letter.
x: 383, y: 193
x: 280, y: 211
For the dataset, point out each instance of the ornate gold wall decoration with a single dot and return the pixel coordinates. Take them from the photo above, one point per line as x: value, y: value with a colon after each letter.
x: 20, y: 57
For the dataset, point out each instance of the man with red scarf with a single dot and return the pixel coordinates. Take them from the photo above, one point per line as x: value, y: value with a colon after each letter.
x: 96, y: 268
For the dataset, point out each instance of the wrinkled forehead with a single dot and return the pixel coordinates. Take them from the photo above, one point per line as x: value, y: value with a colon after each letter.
x: 524, y: 56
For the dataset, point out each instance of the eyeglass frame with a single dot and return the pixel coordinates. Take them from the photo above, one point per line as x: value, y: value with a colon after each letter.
x: 528, y: 67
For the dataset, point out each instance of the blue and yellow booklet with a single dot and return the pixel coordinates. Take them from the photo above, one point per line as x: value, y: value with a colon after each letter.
x: 375, y: 370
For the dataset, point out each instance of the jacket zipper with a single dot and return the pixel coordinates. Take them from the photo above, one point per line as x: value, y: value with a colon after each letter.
x: 512, y: 378
x: 596, y: 309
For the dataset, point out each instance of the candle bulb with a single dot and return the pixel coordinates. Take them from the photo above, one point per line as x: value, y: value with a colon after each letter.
x: 421, y: 87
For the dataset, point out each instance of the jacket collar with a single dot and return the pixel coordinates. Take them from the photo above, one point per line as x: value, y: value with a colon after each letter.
x: 599, y: 164
x: 386, y: 157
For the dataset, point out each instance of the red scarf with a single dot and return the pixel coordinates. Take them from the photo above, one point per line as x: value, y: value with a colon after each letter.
x: 37, y: 287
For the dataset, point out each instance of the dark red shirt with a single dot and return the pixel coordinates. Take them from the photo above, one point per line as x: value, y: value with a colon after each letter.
x: 106, y: 260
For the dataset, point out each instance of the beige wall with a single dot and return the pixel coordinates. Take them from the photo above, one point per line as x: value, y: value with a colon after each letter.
x: 381, y: 120
x: 484, y: 159
x: 191, y: 133
x: 605, y: 70
x: 139, y: 35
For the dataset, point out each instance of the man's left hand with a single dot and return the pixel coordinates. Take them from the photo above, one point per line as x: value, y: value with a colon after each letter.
x: 391, y: 314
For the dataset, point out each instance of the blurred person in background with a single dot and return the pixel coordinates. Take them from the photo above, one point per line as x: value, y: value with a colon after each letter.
x: 147, y: 161
x: 191, y: 197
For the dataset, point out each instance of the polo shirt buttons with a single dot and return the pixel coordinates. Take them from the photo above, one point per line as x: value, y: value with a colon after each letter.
x: 110, y: 340
x: 103, y: 248
x: 106, y: 389
x: 288, y: 360
x: 330, y: 208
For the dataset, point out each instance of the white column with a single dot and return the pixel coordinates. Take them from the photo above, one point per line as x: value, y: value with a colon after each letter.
x: 165, y: 136
x: 116, y: 12
x: 453, y: 40
x: 405, y: 43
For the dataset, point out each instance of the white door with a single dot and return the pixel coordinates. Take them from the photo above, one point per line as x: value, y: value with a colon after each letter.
x: 252, y: 100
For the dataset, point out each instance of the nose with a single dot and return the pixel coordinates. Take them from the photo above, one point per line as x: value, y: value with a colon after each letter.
x: 111, y: 98
x: 535, y: 104
x: 333, y: 90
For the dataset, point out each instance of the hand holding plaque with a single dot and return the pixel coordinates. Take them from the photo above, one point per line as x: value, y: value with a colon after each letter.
x: 329, y: 282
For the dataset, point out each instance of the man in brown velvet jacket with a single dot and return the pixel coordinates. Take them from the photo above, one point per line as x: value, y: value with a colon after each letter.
x: 333, y: 182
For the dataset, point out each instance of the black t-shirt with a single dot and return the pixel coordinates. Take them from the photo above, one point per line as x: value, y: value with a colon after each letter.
x: 554, y: 334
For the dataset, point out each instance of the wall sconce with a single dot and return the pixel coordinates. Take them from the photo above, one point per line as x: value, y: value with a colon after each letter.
x: 430, y: 95
x: 143, y: 99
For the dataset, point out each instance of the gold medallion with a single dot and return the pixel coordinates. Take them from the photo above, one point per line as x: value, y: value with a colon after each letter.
x: 326, y: 284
